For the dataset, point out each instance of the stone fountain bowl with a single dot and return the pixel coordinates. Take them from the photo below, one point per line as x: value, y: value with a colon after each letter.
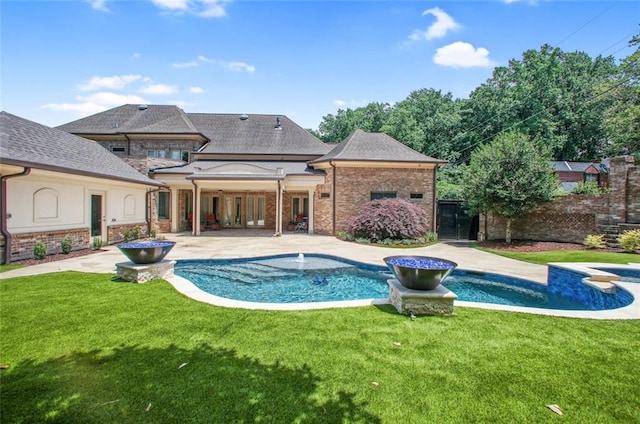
x: 146, y: 252
x: 419, y: 272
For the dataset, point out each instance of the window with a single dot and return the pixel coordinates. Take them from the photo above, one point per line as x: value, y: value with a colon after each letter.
x: 117, y: 149
x: 299, y: 206
x: 590, y: 178
x: 151, y: 153
x: 383, y: 195
x: 175, y: 154
x: 163, y: 205
x: 162, y: 154
x: 416, y: 196
x: 185, y: 155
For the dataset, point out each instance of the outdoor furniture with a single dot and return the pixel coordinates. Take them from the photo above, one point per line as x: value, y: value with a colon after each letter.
x: 302, y: 226
x: 211, y: 223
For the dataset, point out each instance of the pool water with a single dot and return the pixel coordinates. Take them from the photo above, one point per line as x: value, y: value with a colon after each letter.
x: 323, y: 278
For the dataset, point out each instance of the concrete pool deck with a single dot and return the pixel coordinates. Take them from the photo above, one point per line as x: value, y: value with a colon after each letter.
x: 250, y: 243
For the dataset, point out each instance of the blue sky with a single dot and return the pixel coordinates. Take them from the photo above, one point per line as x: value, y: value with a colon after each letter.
x: 62, y: 60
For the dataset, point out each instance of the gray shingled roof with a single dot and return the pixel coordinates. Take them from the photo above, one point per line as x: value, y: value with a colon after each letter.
x: 29, y: 144
x: 255, y: 135
x: 134, y: 119
x: 289, y: 167
x: 566, y: 166
x: 379, y: 147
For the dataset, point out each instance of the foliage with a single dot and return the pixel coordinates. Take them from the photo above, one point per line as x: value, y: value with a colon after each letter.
x: 595, y: 241
x: 135, y: 233
x: 622, y: 119
x: 97, y: 243
x: 630, y: 240
x: 588, y: 187
x: 509, y: 177
x: 39, y: 250
x: 126, y: 235
x: 66, y: 245
x: 449, y: 182
x: 153, y: 233
x: 334, y: 129
x: 394, y: 219
x: 548, y: 95
x: 75, y: 357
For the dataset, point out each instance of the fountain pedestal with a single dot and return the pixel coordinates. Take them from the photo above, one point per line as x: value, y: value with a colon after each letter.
x: 141, y: 273
x: 438, y: 301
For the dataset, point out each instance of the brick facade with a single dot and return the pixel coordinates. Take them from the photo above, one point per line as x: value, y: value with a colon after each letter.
x: 573, y: 217
x: 22, y: 244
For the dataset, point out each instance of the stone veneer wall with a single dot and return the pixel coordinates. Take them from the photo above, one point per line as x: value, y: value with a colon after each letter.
x: 116, y: 233
x: 22, y: 244
x: 572, y: 218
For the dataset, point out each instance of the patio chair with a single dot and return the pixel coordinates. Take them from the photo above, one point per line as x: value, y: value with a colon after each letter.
x: 302, y: 226
x: 211, y: 223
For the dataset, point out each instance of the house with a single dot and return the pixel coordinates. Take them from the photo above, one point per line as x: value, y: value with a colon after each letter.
x: 55, y: 185
x: 259, y: 171
x: 570, y: 174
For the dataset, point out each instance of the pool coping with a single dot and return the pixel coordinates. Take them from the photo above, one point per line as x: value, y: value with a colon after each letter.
x: 631, y: 311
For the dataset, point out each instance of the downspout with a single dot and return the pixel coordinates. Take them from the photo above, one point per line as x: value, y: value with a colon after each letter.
x: 435, y: 202
x: 128, y: 144
x: 3, y: 212
x: 149, y: 215
x: 333, y: 191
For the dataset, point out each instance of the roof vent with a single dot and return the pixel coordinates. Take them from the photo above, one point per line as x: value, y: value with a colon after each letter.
x: 143, y: 107
x: 244, y: 117
x: 278, y: 124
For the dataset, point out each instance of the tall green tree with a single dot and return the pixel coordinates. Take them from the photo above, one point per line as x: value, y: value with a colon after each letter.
x: 548, y: 95
x: 335, y: 128
x: 509, y: 176
x: 623, y: 117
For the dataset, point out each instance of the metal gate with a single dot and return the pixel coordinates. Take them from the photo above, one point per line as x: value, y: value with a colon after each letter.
x: 454, y: 223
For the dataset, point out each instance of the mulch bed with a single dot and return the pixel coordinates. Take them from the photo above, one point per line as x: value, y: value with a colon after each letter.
x: 57, y: 257
x: 536, y: 246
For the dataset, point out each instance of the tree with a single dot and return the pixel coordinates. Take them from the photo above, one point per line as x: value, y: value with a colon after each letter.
x: 623, y: 118
x: 548, y: 95
x: 508, y: 176
x: 335, y: 128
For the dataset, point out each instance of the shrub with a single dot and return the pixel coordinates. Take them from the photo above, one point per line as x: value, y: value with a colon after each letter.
x: 588, y: 188
x: 97, y: 243
x: 394, y: 219
x: 135, y: 233
x: 595, y: 241
x: 630, y: 240
x: 127, y: 235
x: 153, y: 233
x: 66, y: 244
x: 39, y: 250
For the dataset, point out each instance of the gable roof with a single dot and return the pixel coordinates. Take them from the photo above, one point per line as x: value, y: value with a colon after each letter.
x: 134, y: 119
x: 375, y: 147
x: 29, y: 144
x: 255, y: 134
x: 566, y: 166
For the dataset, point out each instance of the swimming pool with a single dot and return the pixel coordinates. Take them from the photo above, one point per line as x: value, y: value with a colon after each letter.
x: 324, y: 278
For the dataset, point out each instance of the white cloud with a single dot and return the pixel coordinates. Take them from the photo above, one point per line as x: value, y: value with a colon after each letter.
x: 97, y: 102
x: 196, y: 90
x: 462, y: 55
x: 201, y: 8
x: 191, y: 64
x: 240, y: 66
x: 100, y: 5
x: 205, y: 59
x: 171, y: 4
x: 443, y: 24
x: 136, y: 56
x: 158, y: 89
x: 339, y: 103
x: 114, y: 82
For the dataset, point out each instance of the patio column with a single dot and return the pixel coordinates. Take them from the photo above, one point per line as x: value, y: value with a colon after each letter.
x: 195, y: 226
x: 279, y: 196
x: 310, y: 218
x: 174, y: 210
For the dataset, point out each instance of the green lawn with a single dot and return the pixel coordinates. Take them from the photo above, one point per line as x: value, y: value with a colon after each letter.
x: 81, y: 348
x: 544, y: 258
